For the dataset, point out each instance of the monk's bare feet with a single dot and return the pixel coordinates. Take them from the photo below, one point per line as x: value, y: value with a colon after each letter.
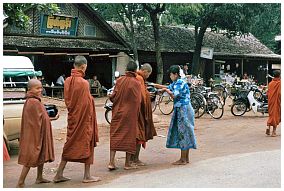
x: 267, y: 132
x: 112, y: 167
x: 273, y: 134
x: 22, y: 185
x: 42, y: 180
x: 180, y: 162
x: 60, y: 179
x: 130, y: 167
x: 139, y: 163
x: 91, y: 179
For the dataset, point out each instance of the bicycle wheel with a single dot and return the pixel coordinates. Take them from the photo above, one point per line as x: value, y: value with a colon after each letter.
x: 215, y: 106
x: 107, y: 102
x: 166, y: 104
x: 238, y: 108
x: 221, y: 92
x: 108, y: 115
x: 197, y: 97
x: 155, y: 103
x: 195, y: 105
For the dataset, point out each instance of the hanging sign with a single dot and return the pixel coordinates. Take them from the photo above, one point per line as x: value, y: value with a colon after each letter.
x: 58, y: 25
x: 206, y: 52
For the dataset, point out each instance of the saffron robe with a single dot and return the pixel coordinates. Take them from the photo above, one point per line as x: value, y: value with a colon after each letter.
x: 82, y: 130
x: 36, y: 141
x: 126, y: 99
x: 6, y: 155
x: 274, y: 102
x: 146, y: 129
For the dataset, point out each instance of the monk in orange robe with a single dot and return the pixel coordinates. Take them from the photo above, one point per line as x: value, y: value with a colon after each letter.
x: 274, y: 103
x: 6, y: 155
x: 82, y: 130
x: 126, y: 99
x: 145, y: 128
x: 36, y: 142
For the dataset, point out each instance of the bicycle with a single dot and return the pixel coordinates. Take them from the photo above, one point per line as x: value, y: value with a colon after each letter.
x: 207, y: 101
x: 108, y: 112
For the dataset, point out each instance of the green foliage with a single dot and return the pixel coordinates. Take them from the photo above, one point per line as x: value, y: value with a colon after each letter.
x: 234, y: 19
x: 122, y: 12
x: 17, y: 12
x: 262, y: 20
x: 267, y: 24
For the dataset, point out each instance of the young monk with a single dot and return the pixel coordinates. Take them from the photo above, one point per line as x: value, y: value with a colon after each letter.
x: 126, y: 99
x: 181, y: 130
x: 145, y: 128
x: 82, y: 131
x: 36, y: 142
x: 274, y: 103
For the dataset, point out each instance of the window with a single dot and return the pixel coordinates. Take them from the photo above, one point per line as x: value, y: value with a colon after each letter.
x: 90, y: 30
x: 61, y: 5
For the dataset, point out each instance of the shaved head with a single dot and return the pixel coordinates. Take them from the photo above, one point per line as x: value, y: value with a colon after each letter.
x: 147, y: 67
x: 32, y: 83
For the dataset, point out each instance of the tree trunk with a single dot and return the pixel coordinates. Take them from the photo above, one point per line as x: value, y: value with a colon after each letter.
x: 160, y: 68
x: 196, y: 66
x: 134, y: 47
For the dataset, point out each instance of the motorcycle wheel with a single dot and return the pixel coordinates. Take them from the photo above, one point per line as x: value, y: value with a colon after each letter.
x: 238, y: 108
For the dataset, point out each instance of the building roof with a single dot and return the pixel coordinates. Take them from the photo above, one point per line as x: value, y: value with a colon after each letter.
x: 39, y: 41
x: 99, y: 20
x: 180, y: 39
x: 62, y: 43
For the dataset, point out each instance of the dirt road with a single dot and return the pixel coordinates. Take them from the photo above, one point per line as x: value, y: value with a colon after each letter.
x: 215, y: 138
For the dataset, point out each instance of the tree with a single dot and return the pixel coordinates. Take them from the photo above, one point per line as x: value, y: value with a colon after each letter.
x: 234, y: 19
x: 131, y: 15
x: 154, y: 11
x: 267, y: 24
x: 17, y: 12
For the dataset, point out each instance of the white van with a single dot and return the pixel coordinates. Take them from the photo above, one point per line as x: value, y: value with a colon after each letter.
x: 17, y: 71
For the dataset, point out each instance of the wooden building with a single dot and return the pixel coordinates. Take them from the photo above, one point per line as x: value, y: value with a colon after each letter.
x: 52, y: 42
x: 237, y: 55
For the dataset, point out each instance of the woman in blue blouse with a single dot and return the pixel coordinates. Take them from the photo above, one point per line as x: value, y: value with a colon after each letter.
x: 181, y: 130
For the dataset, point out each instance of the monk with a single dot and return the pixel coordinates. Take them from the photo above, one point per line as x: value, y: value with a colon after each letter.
x: 82, y: 130
x: 145, y: 128
x: 36, y: 142
x: 6, y: 155
x: 126, y: 99
x: 274, y: 103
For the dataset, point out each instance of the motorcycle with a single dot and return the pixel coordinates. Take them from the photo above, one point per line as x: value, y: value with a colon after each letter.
x: 253, y: 100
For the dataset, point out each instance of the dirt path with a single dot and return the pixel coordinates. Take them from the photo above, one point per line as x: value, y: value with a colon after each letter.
x: 226, y: 136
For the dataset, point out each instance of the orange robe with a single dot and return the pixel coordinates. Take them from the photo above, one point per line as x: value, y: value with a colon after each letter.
x: 126, y: 99
x: 36, y: 142
x: 6, y: 155
x: 82, y: 129
x: 274, y: 102
x: 146, y: 129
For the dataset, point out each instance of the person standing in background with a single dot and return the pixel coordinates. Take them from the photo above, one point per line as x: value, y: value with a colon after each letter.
x: 274, y: 103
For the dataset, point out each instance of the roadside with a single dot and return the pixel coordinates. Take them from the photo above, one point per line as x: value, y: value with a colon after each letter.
x: 250, y: 170
x: 215, y: 138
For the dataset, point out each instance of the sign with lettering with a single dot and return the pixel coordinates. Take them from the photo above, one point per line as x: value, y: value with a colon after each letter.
x: 206, y: 52
x: 58, y: 25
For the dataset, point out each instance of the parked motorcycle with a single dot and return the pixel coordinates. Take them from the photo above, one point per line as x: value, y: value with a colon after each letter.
x: 253, y: 100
